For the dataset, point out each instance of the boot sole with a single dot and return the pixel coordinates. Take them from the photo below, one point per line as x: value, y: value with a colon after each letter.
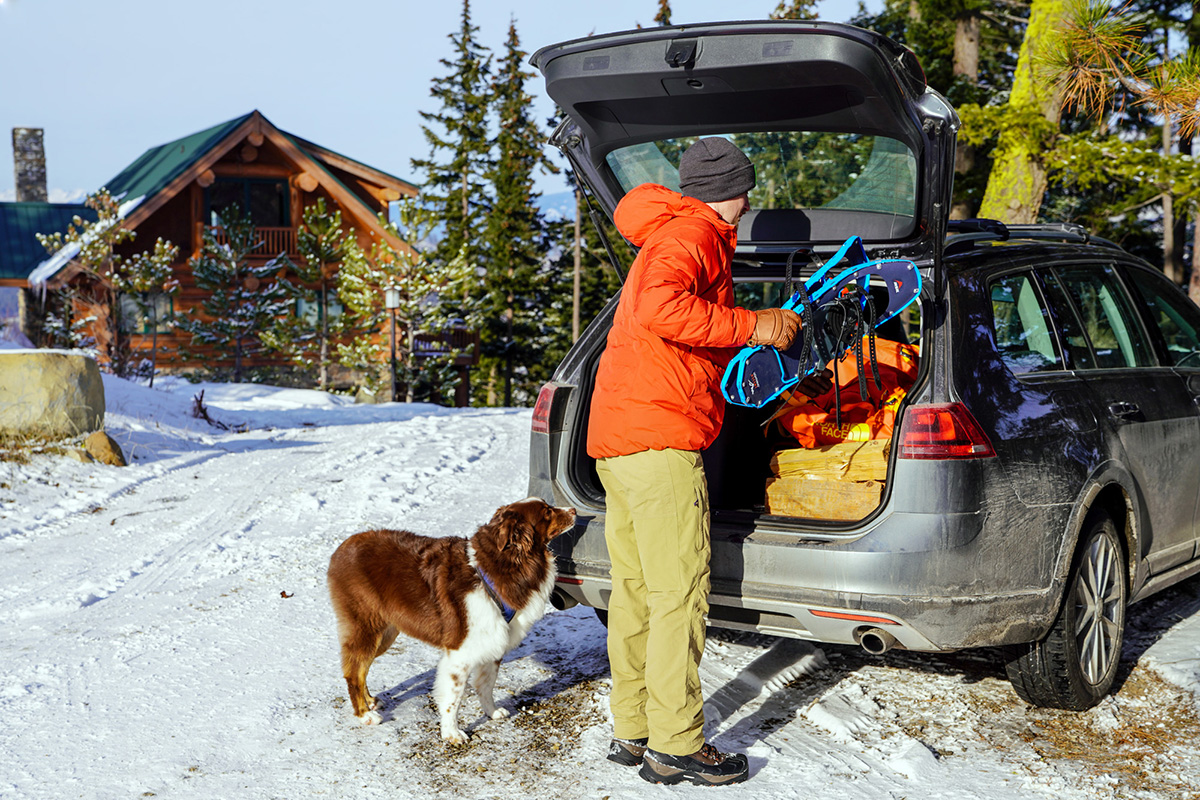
x: 655, y: 772
x: 625, y: 758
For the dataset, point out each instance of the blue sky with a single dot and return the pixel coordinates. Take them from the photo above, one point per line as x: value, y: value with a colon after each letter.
x: 108, y: 79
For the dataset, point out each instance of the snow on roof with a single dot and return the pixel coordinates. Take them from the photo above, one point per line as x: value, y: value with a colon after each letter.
x: 46, y: 270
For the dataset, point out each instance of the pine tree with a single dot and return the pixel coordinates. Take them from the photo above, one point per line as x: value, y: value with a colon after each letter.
x: 426, y: 287
x: 1018, y: 177
x: 967, y: 50
x: 1123, y: 73
x: 361, y: 283
x: 143, y: 278
x: 1114, y: 147
x: 306, y: 337
x: 62, y: 325
x: 515, y: 238
x: 114, y: 276
x: 457, y: 134
x: 244, y: 299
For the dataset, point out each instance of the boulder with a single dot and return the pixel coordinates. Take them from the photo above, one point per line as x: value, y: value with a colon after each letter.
x: 49, y: 394
x: 104, y: 449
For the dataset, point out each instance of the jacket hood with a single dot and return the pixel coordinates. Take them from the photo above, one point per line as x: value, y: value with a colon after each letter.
x: 648, y: 207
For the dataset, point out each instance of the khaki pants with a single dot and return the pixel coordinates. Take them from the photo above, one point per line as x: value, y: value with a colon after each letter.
x: 657, y: 529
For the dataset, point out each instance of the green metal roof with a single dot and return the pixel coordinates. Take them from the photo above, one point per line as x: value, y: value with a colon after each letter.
x: 20, y: 250
x: 160, y: 165
x: 310, y: 147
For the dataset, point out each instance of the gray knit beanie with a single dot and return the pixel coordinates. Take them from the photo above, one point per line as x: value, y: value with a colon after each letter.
x: 714, y: 169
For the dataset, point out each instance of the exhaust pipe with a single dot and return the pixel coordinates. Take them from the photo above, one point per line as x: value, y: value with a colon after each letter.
x: 561, y: 600
x: 876, y: 641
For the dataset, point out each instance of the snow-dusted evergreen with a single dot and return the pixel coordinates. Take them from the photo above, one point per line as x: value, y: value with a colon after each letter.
x: 91, y: 246
x: 244, y: 298
x: 435, y: 298
x: 515, y: 238
x: 454, y: 186
x: 308, y: 337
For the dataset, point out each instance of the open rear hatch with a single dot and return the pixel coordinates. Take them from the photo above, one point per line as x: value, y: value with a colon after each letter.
x: 847, y: 140
x: 846, y: 137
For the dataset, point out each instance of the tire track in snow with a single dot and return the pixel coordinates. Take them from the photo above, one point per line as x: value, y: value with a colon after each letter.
x: 130, y: 590
x: 212, y: 516
x: 16, y: 536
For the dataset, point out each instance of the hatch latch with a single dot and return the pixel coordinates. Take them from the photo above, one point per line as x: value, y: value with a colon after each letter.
x: 681, y: 53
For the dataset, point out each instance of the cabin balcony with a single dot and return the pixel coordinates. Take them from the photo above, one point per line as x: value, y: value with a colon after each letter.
x: 270, y: 241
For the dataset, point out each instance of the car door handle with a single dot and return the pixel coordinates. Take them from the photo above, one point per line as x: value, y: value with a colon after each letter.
x: 1124, y: 410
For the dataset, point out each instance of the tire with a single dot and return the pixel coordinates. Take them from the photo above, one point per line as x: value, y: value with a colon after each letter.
x: 602, y: 615
x: 1075, y: 665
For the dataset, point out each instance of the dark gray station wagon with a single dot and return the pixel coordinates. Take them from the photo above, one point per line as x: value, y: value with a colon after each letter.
x: 1045, y: 466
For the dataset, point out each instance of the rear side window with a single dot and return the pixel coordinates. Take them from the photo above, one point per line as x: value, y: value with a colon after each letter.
x: 795, y: 169
x: 1105, y: 333
x: 1022, y: 326
x: 1176, y: 317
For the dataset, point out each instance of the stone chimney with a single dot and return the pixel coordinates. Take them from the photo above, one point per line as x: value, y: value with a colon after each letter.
x: 29, y: 165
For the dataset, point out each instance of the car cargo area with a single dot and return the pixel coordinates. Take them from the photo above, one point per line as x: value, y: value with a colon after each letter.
x: 758, y: 465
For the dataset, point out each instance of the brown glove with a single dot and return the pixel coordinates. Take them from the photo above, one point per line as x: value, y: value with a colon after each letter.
x: 776, y: 327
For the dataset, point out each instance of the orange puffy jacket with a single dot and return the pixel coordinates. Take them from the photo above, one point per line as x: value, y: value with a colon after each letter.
x: 657, y: 385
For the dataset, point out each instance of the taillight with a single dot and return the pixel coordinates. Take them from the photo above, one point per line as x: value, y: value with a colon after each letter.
x: 942, y: 432
x: 541, y: 409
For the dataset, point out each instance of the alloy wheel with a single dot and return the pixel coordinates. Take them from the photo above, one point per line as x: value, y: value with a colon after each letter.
x: 1099, y: 609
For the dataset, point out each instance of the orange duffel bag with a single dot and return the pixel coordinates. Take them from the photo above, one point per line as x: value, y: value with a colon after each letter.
x: 814, y: 420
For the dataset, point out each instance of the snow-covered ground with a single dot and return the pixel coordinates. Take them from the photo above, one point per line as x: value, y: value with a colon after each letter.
x: 165, y: 632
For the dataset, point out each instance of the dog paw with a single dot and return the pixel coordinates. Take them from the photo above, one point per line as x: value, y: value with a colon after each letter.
x: 374, y: 704
x: 371, y: 718
x: 500, y: 713
x: 455, y: 737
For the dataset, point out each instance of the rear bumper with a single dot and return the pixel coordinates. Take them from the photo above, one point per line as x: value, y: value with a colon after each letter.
x: 935, y: 581
x: 953, y: 560
x: 923, y: 624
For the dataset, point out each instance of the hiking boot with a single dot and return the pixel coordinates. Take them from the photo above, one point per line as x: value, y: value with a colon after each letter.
x: 705, y: 767
x: 627, y: 752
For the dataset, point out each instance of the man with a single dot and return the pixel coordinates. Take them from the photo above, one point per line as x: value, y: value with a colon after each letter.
x: 656, y: 405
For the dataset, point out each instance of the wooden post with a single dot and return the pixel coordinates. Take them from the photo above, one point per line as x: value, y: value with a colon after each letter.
x: 393, y: 355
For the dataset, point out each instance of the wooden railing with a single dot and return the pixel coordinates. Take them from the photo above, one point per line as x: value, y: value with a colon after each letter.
x: 271, y: 241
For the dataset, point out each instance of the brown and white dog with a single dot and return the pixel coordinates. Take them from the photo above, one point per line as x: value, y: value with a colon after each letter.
x: 384, y: 583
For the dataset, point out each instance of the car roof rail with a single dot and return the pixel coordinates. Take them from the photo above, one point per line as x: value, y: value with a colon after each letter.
x: 965, y: 231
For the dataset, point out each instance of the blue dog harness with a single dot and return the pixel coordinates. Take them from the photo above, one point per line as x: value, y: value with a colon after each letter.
x: 507, y: 611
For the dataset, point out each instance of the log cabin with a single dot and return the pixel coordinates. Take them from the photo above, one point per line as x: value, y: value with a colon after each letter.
x: 177, y: 190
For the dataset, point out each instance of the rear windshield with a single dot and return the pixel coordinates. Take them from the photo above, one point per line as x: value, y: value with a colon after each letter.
x: 798, y: 171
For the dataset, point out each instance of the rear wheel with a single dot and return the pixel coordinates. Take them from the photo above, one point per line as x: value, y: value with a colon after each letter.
x: 1075, y: 665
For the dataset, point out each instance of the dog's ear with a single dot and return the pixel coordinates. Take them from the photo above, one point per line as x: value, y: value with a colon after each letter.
x: 516, y: 534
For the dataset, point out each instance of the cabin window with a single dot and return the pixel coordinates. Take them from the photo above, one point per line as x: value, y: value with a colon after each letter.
x: 267, y: 200
x: 9, y: 306
x: 154, y: 311
x: 312, y: 312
